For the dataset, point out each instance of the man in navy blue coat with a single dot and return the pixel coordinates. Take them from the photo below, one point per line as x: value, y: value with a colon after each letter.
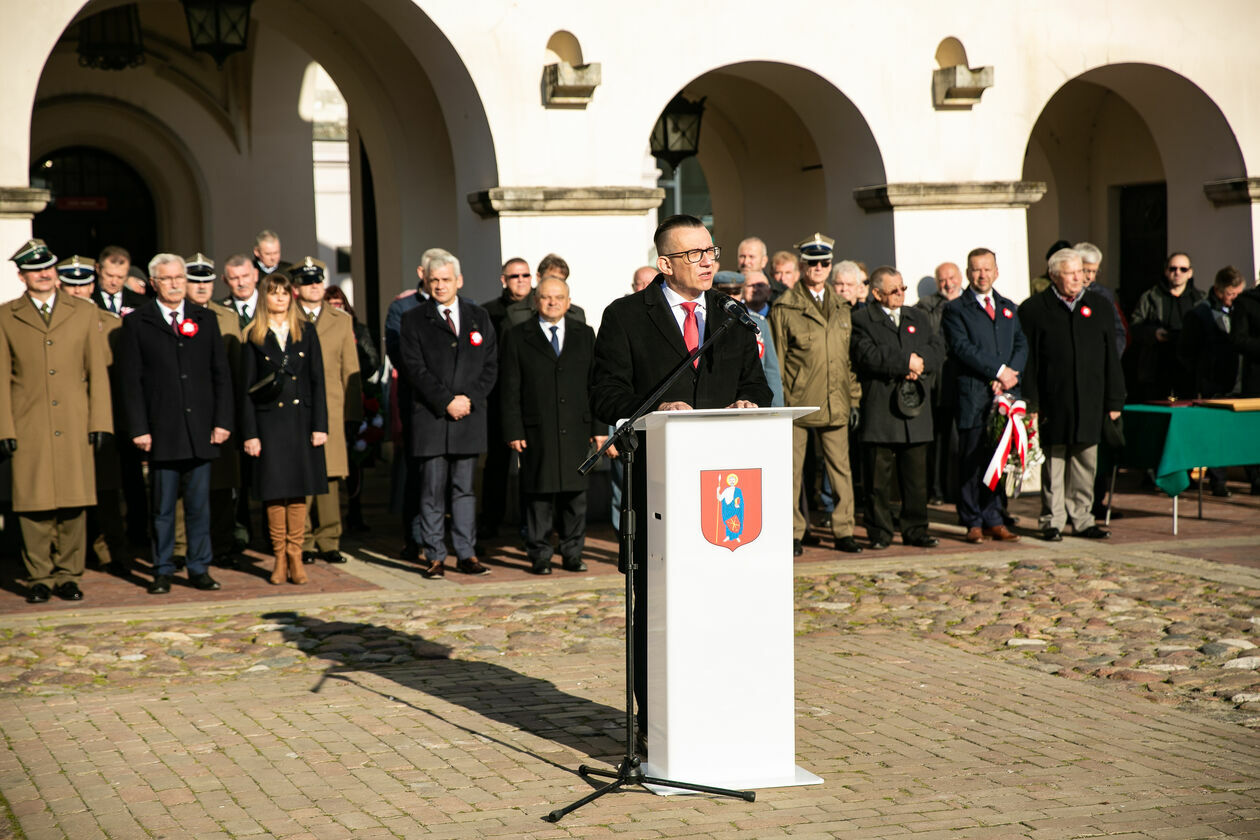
x: 177, y: 392
x: 450, y: 361
x: 984, y: 336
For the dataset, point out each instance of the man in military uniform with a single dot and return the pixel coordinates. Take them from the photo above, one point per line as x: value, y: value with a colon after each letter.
x: 53, y: 409
x: 344, y: 396
x: 225, y: 472
x: 811, y: 327
x: 241, y: 276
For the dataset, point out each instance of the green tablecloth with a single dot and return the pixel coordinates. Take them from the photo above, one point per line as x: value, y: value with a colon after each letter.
x: 1173, y: 439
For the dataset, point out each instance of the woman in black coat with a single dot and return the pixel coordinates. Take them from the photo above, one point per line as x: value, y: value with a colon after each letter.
x: 284, y: 420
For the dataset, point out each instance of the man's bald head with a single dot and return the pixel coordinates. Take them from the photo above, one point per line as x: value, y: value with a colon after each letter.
x: 948, y: 280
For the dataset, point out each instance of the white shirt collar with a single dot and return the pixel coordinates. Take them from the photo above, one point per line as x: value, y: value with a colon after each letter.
x: 980, y: 297
x: 166, y: 311
x: 891, y: 313
x: 453, y: 306
x: 546, y: 328
x: 676, y: 300
x: 52, y: 298
x: 312, y: 313
x: 251, y: 302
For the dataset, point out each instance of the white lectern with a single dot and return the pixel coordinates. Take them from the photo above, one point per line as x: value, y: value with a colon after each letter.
x: 720, y: 601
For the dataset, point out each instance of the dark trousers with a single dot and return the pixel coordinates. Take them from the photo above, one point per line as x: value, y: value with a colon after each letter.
x: 909, y: 461
x: 978, y: 506
x: 54, y: 545
x: 942, y: 455
x: 222, y: 523
x: 566, y: 512
x: 168, y: 480
x: 438, y: 474
x: 134, y: 493
x: 494, y: 480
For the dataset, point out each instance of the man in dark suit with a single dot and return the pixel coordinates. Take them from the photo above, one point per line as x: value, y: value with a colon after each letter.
x: 642, y: 338
x: 1244, y: 336
x: 1073, y: 380
x: 111, y: 278
x: 177, y: 390
x: 943, y: 451
x: 546, y: 419
x: 983, y: 335
x: 450, y: 361
x: 267, y: 253
x: 896, y: 354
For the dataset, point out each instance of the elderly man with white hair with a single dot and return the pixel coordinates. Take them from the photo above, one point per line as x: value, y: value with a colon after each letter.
x: 1073, y: 384
x: 1091, y: 259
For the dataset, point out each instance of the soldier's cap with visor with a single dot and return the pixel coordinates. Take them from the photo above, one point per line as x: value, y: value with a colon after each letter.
x: 33, y: 256
x: 815, y: 248
x: 77, y: 271
x: 728, y: 281
x: 307, y: 272
x: 199, y: 269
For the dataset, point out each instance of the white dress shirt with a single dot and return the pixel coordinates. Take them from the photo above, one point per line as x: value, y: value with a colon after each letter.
x: 546, y: 328
x: 167, y: 311
x: 453, y: 308
x: 252, y: 303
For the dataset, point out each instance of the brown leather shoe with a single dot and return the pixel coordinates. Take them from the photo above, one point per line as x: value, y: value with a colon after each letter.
x: 471, y: 566
x: 436, y: 569
x: 1001, y: 533
x: 974, y: 535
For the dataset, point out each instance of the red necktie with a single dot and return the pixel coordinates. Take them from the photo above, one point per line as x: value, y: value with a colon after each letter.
x: 988, y: 307
x: 175, y: 322
x: 691, y: 330
x: 449, y: 322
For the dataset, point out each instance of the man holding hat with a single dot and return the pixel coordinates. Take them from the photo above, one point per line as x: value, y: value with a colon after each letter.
x: 732, y: 283
x: 53, y: 408
x: 897, y: 355
x: 343, y: 394
x: 811, y: 328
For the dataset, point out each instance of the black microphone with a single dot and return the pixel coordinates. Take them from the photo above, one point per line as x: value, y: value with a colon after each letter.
x: 736, y: 310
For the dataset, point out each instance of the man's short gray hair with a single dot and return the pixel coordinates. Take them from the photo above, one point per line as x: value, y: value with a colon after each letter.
x: 163, y: 259
x: 266, y: 236
x: 848, y: 268
x: 1090, y: 253
x: 432, y: 254
x: 440, y: 259
x: 1060, y: 258
x: 236, y: 261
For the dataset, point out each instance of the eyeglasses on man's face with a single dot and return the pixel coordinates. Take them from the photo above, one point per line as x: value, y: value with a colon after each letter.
x: 524, y: 276
x: 697, y: 254
x: 1179, y: 269
x: 819, y: 264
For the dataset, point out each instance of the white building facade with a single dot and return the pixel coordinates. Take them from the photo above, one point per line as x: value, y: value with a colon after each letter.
x: 909, y: 131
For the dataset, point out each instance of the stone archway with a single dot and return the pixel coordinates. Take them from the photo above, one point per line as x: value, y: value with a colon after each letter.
x: 1105, y: 143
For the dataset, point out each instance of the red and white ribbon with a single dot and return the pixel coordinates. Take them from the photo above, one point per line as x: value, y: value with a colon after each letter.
x: 1014, y: 436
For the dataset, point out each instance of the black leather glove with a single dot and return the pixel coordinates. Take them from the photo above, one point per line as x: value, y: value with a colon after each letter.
x: 8, y: 446
x: 855, y: 415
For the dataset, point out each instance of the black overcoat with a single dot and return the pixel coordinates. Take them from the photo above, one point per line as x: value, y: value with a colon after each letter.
x: 288, y: 466
x: 880, y: 354
x: 1244, y: 335
x: 440, y: 366
x: 1073, y: 377
x: 176, y: 388
x: 546, y: 402
x: 639, y: 344
x: 130, y: 300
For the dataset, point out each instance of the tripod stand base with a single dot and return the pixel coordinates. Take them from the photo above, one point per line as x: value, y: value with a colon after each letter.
x: 800, y: 776
x: 630, y: 773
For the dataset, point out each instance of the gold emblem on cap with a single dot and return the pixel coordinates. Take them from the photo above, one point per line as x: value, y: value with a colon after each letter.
x: 816, y: 240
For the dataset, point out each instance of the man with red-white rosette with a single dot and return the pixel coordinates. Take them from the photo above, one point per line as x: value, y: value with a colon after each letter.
x: 1073, y: 385
x: 450, y: 360
x: 177, y: 398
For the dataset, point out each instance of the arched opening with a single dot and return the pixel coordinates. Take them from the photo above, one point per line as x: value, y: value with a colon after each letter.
x: 1126, y: 151
x: 781, y: 153
x: 97, y: 200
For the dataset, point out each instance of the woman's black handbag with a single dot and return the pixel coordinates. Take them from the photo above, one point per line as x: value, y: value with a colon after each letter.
x: 268, y: 388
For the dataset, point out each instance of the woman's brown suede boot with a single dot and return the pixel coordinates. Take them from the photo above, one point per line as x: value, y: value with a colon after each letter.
x: 295, y: 514
x: 279, y: 544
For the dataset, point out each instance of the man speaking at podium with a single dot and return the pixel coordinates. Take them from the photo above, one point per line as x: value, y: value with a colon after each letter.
x: 642, y: 338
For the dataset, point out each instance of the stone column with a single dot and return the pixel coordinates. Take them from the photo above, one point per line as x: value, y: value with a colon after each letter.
x: 17, y: 206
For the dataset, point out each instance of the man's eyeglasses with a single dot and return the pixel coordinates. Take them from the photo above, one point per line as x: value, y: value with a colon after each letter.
x: 1180, y: 269
x: 524, y: 276
x: 697, y: 254
x: 900, y: 290
x: 819, y: 263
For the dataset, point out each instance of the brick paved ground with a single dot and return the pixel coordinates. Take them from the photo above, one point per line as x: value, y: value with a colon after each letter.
x: 1046, y: 691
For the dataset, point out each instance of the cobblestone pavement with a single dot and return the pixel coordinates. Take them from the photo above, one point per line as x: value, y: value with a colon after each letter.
x: 1049, y: 691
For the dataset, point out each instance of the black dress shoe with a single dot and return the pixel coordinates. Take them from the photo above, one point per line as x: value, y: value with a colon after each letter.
x: 204, y: 582
x: 332, y: 557
x: 1093, y: 532
x: 811, y: 539
x: 574, y: 566
x: 309, y: 557
x: 38, y: 594
x: 68, y: 591
x: 922, y: 541
x: 540, y: 569
x: 877, y: 545
x: 1052, y: 535
x: 797, y: 549
x: 160, y: 585
x: 471, y: 566
x: 848, y: 545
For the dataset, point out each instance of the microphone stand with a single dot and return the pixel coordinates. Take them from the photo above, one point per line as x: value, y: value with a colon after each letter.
x: 629, y: 772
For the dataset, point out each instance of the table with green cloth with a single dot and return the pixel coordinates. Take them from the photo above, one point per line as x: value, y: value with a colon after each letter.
x: 1171, y: 440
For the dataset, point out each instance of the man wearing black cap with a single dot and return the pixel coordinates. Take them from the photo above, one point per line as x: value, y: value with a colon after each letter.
x: 897, y: 354
x: 54, y: 407
x: 344, y: 395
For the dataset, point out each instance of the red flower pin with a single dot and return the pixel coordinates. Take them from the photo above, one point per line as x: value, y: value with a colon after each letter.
x: 187, y: 328
x: 475, y: 339
x: 910, y: 329
x: 1086, y: 311
x: 761, y: 348
x: 1007, y: 313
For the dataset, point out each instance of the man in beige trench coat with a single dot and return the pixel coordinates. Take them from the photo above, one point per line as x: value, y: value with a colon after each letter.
x: 343, y: 391
x: 55, y: 406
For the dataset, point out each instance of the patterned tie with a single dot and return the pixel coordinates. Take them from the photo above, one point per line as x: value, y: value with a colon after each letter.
x: 896, y: 318
x: 310, y: 316
x: 245, y: 311
x: 691, y: 330
x: 449, y: 322
x: 45, y: 312
x: 175, y: 322
x: 555, y: 339
x: 988, y: 308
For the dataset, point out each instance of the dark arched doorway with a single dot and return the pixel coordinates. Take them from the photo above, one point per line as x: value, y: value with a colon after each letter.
x: 97, y: 200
